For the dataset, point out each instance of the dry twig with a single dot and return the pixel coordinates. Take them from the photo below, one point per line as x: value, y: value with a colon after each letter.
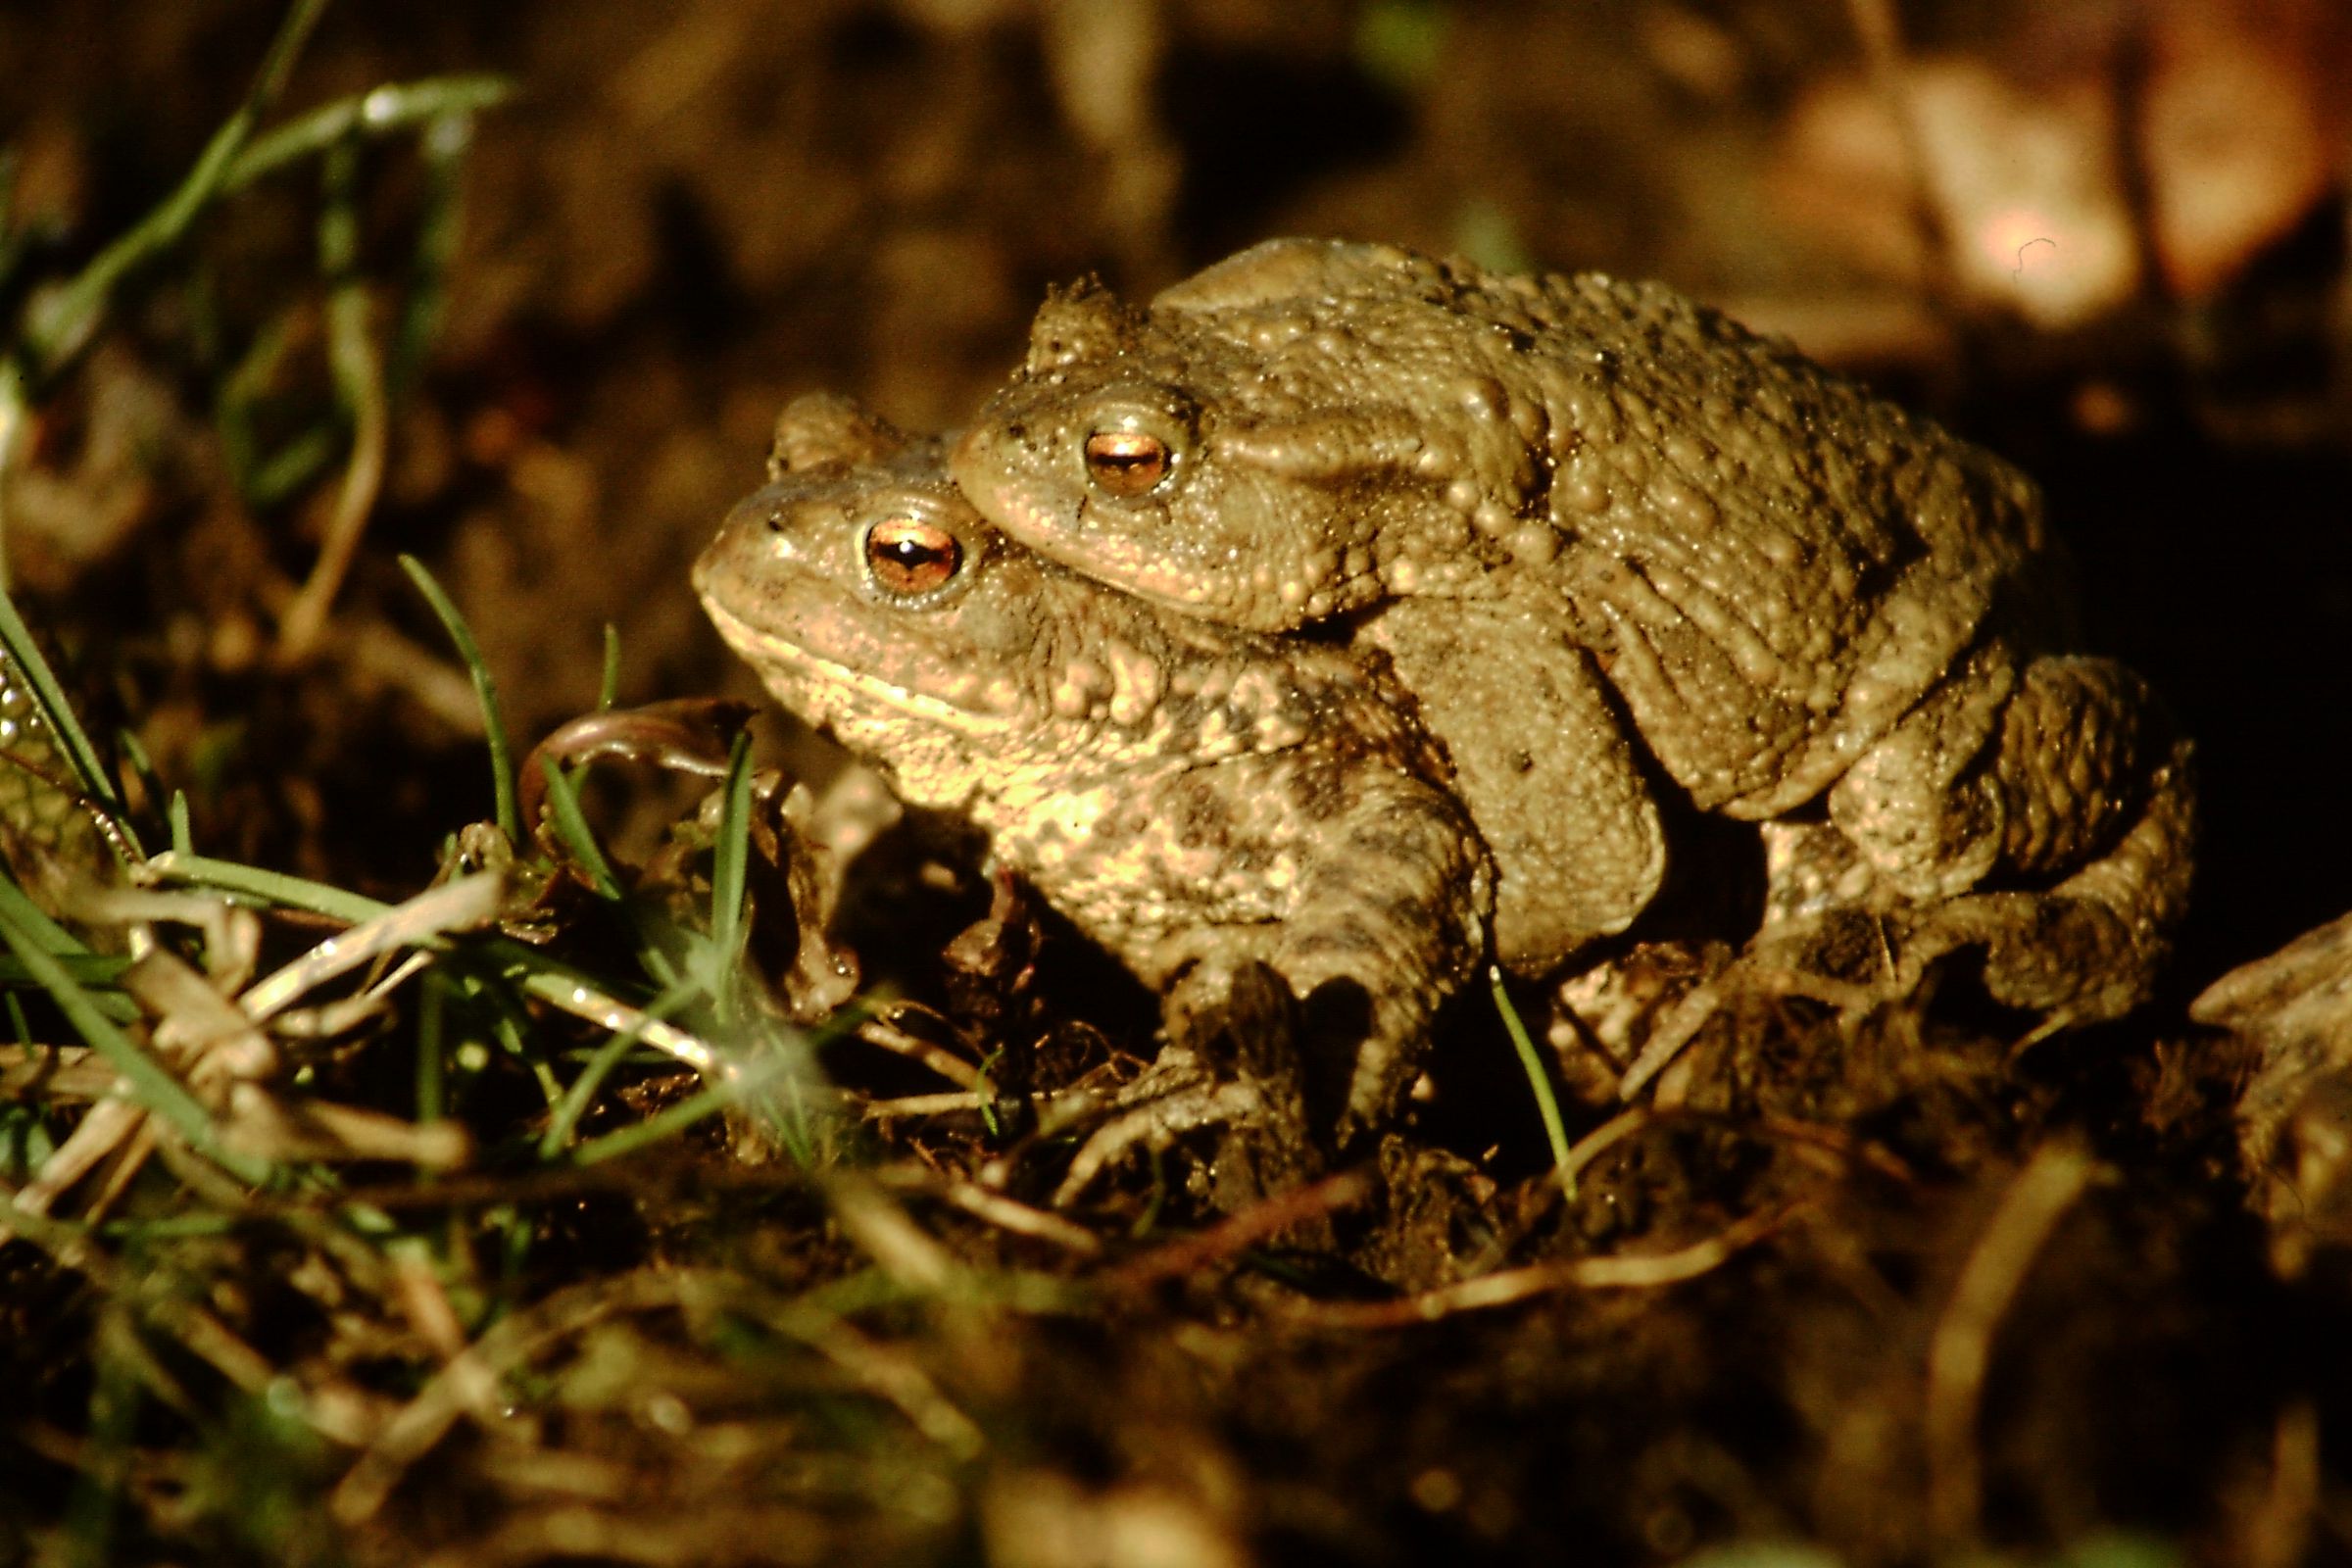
x: 1961, y: 1352
x: 1247, y: 1229
x: 994, y: 1209
x: 1618, y: 1273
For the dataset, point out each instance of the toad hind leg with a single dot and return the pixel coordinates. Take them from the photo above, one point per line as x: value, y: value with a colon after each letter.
x: 2088, y: 948
x: 2070, y: 802
x: 2046, y: 815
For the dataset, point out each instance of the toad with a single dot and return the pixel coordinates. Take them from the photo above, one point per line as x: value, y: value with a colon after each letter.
x: 1622, y: 550
x: 1196, y: 798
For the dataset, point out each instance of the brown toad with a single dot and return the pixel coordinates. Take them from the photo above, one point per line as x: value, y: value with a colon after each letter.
x: 1194, y: 797
x: 1589, y: 521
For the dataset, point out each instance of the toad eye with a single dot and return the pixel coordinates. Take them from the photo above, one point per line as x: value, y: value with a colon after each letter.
x: 1126, y: 463
x: 905, y: 555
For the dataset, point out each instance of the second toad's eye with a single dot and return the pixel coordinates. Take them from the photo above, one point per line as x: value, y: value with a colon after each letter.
x: 1126, y: 463
x: 906, y: 556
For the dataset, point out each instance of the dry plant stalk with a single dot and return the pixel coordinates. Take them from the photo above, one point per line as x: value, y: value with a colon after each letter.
x: 1961, y: 1352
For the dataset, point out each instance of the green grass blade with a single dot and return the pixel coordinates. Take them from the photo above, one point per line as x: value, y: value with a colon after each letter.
x: 608, y: 687
x: 731, y: 861
x: 608, y: 1055
x: 88, y: 968
x: 511, y: 1029
x: 151, y: 1085
x: 142, y: 767
x: 379, y: 113
x: 1538, y: 1081
x: 293, y: 466
x: 654, y: 931
x: 664, y: 1124
x: 40, y: 683
x: 32, y: 919
x: 432, y: 1048
x: 267, y: 886
x: 56, y: 331
x: 572, y: 826
x: 443, y: 146
x: 485, y: 691
x: 572, y: 991
x: 94, y: 968
x: 239, y: 393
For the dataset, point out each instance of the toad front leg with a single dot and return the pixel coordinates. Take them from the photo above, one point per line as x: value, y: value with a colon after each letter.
x: 1381, y: 912
x: 1391, y: 918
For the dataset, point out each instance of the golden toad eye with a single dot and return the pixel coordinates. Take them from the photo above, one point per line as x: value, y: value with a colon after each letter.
x: 1125, y: 463
x: 906, y: 556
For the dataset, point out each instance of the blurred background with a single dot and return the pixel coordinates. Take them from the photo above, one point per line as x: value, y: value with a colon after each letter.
x: 2106, y: 237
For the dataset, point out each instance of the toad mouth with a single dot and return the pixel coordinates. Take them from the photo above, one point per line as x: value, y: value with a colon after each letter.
x: 754, y: 644
x: 1122, y: 563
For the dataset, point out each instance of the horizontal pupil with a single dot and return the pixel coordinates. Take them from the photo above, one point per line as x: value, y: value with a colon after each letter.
x: 908, y: 556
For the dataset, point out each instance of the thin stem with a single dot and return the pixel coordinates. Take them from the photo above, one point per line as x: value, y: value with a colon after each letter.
x: 485, y: 691
x: 58, y: 329
x: 1539, y: 1082
x: 377, y: 113
x: 360, y: 378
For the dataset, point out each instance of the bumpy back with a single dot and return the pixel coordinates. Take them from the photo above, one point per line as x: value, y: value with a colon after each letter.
x: 1771, y: 564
